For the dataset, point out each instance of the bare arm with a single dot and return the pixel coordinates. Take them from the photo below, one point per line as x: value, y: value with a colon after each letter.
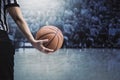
x: 16, y: 14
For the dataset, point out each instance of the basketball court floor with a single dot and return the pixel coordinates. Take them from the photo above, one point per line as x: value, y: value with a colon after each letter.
x: 67, y: 64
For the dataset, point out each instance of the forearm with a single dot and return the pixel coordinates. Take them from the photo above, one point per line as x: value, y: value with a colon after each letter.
x: 16, y: 14
x: 25, y: 29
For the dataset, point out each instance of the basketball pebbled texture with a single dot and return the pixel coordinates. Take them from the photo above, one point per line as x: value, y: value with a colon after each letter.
x: 53, y: 34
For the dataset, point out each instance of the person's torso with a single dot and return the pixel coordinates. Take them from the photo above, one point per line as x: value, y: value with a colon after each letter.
x: 3, y: 23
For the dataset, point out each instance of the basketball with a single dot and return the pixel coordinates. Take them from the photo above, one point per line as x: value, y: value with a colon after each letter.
x: 54, y: 36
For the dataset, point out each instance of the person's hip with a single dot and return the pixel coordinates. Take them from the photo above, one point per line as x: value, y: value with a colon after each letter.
x: 4, y: 36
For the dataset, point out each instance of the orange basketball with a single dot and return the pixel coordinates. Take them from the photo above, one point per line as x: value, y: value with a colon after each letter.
x: 53, y: 34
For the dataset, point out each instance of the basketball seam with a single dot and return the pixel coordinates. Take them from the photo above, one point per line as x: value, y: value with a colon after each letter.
x: 61, y: 33
x: 56, y: 30
x: 57, y: 43
x: 60, y: 38
x: 53, y: 29
x: 51, y: 39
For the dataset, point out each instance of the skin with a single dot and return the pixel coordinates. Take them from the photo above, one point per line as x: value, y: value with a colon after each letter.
x: 17, y: 16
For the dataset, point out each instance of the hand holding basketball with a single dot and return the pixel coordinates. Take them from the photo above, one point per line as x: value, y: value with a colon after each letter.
x: 38, y: 44
x: 54, y: 36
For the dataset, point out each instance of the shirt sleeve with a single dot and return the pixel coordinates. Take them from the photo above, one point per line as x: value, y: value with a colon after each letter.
x: 11, y: 3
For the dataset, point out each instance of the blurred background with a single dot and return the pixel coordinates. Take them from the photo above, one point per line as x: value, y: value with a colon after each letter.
x: 84, y: 23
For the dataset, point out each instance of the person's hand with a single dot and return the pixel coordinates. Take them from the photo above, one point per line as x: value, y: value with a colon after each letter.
x: 38, y: 44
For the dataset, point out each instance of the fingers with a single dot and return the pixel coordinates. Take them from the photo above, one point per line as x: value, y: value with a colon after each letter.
x: 42, y: 48
x: 46, y: 50
x: 44, y: 41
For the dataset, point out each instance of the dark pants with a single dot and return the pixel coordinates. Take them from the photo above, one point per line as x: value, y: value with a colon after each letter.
x: 6, y: 57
